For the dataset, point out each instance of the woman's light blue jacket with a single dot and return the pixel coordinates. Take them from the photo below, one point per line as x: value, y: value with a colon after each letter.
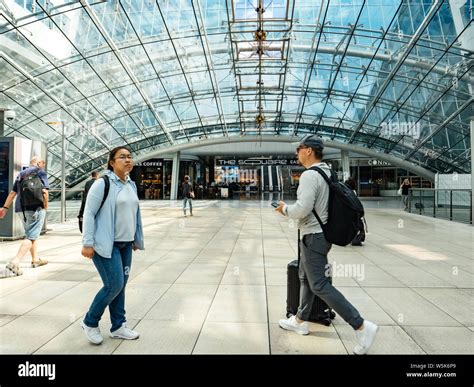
x: 99, y: 226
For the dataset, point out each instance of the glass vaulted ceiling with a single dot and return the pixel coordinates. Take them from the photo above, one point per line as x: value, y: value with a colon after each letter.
x: 389, y: 75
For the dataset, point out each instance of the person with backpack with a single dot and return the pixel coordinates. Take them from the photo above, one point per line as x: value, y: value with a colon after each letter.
x: 87, y: 187
x: 112, y: 229
x: 188, y: 195
x: 31, y: 192
x: 312, y: 210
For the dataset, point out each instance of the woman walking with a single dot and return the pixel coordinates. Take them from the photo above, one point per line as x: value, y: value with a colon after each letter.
x: 112, y: 229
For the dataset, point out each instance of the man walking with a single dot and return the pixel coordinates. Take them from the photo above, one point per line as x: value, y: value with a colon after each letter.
x: 313, y: 193
x: 31, y: 186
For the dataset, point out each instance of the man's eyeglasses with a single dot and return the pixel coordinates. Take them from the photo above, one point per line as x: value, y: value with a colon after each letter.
x: 123, y: 157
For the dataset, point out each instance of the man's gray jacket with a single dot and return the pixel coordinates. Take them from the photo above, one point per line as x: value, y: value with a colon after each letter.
x: 313, y: 192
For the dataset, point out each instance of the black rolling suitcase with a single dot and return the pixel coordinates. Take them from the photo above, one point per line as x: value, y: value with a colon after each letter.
x: 320, y: 312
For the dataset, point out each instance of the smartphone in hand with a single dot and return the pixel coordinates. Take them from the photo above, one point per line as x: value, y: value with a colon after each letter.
x: 275, y: 204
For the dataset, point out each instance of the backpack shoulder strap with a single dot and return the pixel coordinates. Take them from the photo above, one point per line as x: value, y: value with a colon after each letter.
x: 106, y: 190
x: 323, y: 174
x: 326, y: 178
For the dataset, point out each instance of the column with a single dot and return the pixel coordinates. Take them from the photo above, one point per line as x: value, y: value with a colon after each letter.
x: 175, y: 176
x: 472, y: 168
x: 457, y: 7
x: 346, y: 172
x: 2, y: 131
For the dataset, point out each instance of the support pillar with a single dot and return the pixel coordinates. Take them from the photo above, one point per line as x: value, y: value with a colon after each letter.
x: 346, y: 172
x: 175, y: 176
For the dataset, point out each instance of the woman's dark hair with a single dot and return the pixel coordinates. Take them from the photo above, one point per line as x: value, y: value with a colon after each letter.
x: 112, y: 154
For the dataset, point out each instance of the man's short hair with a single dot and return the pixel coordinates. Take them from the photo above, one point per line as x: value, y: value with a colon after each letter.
x: 318, y: 153
x: 94, y: 174
x: 35, y: 160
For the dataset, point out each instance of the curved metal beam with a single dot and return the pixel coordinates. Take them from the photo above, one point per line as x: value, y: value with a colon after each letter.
x: 286, y: 139
x: 389, y: 57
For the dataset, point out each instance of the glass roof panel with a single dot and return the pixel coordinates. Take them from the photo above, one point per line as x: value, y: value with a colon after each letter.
x: 391, y: 75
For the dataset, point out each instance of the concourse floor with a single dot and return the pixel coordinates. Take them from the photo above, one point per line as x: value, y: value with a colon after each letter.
x: 215, y: 283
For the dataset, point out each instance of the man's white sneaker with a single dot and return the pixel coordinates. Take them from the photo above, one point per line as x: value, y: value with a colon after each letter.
x: 291, y: 324
x: 124, y: 332
x: 365, y: 337
x: 93, y: 334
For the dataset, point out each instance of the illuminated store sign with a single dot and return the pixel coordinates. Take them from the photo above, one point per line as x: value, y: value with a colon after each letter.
x: 378, y: 163
x: 158, y: 163
x: 254, y: 162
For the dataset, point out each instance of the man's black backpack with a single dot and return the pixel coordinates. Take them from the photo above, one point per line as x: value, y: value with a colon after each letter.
x: 360, y: 236
x: 31, y: 192
x: 344, y: 212
x: 106, y: 193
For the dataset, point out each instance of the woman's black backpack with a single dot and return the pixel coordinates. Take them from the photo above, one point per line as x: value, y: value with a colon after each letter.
x: 106, y: 193
x: 344, y: 212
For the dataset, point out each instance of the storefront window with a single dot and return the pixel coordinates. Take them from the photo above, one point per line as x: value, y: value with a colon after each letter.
x: 148, y: 176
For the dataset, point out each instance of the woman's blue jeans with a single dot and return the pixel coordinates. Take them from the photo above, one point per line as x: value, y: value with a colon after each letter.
x: 114, y: 272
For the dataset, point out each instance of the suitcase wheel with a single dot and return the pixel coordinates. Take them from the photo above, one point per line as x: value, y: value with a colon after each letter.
x: 325, y: 321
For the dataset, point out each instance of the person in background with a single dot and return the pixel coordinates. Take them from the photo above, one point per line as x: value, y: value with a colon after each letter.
x: 351, y: 183
x: 188, y: 195
x: 405, y: 187
x: 110, y: 235
x: 32, y: 215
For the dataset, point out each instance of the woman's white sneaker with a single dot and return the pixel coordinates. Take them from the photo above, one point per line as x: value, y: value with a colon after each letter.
x: 93, y: 334
x: 365, y: 338
x: 124, y: 332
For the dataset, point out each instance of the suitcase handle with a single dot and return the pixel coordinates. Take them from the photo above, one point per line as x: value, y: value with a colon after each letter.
x: 299, y: 252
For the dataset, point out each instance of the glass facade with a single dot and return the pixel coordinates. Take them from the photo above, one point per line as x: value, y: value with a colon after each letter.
x: 395, y: 76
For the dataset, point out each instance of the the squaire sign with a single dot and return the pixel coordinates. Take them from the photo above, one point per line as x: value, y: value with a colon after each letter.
x: 255, y: 162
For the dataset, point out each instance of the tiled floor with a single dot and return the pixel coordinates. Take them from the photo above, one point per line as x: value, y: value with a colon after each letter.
x: 216, y: 283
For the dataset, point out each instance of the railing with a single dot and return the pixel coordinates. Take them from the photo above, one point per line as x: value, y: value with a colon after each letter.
x: 452, y: 204
x: 72, y: 203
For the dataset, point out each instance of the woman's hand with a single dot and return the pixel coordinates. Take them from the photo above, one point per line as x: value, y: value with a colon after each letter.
x: 135, y: 247
x: 87, y: 252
